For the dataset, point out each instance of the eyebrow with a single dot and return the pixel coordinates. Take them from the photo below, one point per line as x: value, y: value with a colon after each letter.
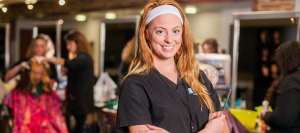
x: 172, y: 28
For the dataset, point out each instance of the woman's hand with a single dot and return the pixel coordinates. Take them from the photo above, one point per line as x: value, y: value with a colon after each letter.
x: 24, y: 64
x: 262, y: 113
x: 154, y: 129
x: 214, y: 125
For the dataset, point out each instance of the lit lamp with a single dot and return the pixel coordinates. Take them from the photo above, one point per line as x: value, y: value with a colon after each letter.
x: 30, y: 7
x: 110, y: 15
x: 30, y: 3
x: 62, y: 2
x: 190, y: 10
x: 80, y: 17
x: 60, y: 21
x: 4, y: 9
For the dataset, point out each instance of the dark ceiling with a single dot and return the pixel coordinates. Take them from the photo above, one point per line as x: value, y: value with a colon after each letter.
x: 44, y: 8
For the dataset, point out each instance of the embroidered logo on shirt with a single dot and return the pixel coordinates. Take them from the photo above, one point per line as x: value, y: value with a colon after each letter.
x: 191, y: 91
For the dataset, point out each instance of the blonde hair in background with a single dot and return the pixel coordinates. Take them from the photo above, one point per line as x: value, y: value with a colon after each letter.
x: 128, y: 51
x: 45, y: 80
x: 185, y: 60
x: 49, y: 47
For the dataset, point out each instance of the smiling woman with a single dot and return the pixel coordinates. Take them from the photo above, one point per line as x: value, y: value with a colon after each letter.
x: 154, y: 95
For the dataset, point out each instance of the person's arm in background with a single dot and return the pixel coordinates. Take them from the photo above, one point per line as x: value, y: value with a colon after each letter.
x: 15, y: 70
x: 286, y: 110
x: 56, y: 61
x: 76, y: 63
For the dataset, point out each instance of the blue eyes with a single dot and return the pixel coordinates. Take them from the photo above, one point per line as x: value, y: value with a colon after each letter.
x: 161, y: 32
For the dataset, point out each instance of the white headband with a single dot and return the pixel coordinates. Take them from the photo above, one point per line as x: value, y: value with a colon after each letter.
x: 164, y: 9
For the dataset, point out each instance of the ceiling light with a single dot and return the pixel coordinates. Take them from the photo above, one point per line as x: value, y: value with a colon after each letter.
x: 110, y: 15
x: 4, y: 9
x: 60, y: 21
x: 190, y: 10
x: 80, y: 17
x: 28, y: 2
x: 62, y: 2
x: 30, y: 7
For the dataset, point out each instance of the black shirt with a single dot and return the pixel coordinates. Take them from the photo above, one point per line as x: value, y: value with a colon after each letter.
x: 52, y: 74
x: 286, y: 115
x: 80, y: 84
x: 148, y: 99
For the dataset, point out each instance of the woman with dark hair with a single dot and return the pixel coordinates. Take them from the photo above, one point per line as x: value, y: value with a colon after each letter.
x: 42, y: 45
x: 284, y: 93
x: 210, y: 46
x: 80, y: 77
x: 36, y: 108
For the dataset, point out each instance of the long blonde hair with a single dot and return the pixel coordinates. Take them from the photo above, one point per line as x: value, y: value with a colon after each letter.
x: 128, y: 51
x: 45, y: 80
x: 187, y: 66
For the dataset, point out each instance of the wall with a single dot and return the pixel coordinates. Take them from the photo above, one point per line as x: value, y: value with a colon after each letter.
x: 216, y: 23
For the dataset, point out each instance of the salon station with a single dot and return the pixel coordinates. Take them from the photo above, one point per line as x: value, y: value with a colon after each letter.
x: 236, y: 44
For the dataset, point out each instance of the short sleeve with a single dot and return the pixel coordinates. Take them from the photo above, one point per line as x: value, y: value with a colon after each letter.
x: 213, y: 93
x: 133, y: 108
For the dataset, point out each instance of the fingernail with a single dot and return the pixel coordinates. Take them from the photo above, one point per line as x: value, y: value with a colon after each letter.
x: 148, y: 124
x: 217, y: 116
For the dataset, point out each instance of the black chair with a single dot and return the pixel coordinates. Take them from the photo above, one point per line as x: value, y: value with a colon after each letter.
x: 6, y: 119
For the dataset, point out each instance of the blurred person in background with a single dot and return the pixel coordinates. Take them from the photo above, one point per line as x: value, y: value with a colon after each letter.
x: 164, y: 90
x: 80, y: 77
x: 284, y: 93
x: 42, y: 45
x: 210, y: 46
x: 36, y: 108
x: 127, y: 56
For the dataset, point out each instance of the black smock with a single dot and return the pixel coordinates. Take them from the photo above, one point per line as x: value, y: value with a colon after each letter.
x: 52, y: 74
x: 156, y: 100
x: 80, y: 84
x: 286, y: 115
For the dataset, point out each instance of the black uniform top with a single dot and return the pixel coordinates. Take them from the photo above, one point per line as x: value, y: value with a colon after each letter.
x: 154, y: 99
x: 52, y: 75
x: 80, y: 84
x: 286, y: 115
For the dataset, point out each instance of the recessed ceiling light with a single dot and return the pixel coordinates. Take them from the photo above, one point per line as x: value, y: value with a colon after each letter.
x: 80, y: 17
x: 62, y: 2
x: 28, y: 2
x: 30, y: 7
x: 190, y: 10
x: 4, y: 9
x: 60, y: 21
x: 110, y: 15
